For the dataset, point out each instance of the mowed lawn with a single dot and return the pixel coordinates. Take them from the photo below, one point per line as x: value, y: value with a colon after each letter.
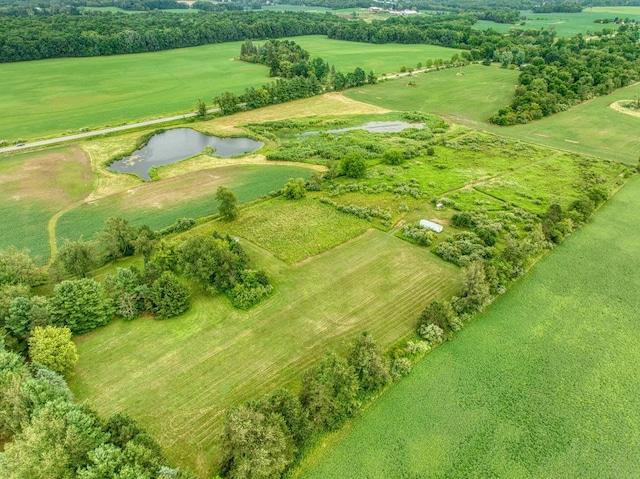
x: 159, y: 204
x: 178, y: 376
x: 467, y: 95
x: 59, y: 96
x: 545, y: 384
x: 33, y: 187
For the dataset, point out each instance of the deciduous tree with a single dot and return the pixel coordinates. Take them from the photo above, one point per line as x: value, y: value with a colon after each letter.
x: 228, y: 207
x: 368, y: 362
x: 329, y: 392
x: 80, y: 305
x: 77, y: 257
x: 53, y: 348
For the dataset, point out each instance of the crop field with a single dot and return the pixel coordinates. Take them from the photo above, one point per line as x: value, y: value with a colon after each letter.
x: 215, y: 356
x: 544, y: 384
x: 159, y: 204
x: 567, y: 24
x: 33, y: 187
x: 467, y: 95
x: 61, y: 97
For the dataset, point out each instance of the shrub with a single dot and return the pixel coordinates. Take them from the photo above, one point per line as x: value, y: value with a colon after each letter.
x: 353, y: 166
x: 243, y: 296
x: 421, y: 235
x: 295, y: 189
x: 393, y: 156
x: 400, y: 367
x: 431, y: 333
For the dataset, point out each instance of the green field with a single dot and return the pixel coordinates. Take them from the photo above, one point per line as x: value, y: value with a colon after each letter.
x: 293, y: 230
x: 177, y: 376
x: 159, y: 204
x: 468, y: 95
x: 33, y: 187
x: 566, y: 24
x: 63, y: 95
x: 380, y: 59
x: 591, y: 128
x: 544, y: 384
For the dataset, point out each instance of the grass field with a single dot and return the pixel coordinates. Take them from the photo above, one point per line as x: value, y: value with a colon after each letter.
x: 159, y: 204
x: 293, y: 230
x: 545, y: 384
x: 380, y: 59
x: 62, y: 97
x: 33, y: 187
x: 591, y: 128
x: 469, y: 98
x: 567, y: 24
x: 215, y: 356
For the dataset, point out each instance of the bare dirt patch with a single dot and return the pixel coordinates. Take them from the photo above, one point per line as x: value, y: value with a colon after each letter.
x: 327, y: 104
x: 55, y: 178
x: 617, y: 106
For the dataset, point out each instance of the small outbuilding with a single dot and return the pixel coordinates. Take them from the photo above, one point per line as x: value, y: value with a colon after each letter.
x: 431, y: 225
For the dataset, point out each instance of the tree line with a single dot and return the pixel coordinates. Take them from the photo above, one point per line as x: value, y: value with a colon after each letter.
x: 95, y: 33
x: 301, y: 77
x: 264, y: 437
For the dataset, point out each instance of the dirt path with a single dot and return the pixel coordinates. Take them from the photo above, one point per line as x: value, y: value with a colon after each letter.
x: 617, y: 106
x: 51, y: 230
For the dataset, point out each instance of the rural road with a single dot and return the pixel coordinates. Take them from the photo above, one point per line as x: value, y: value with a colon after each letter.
x: 88, y: 134
x: 53, y: 141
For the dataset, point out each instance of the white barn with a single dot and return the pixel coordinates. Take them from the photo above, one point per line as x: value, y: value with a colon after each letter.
x: 431, y: 225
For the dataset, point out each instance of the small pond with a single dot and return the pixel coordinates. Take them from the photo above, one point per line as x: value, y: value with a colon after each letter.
x: 177, y: 144
x: 376, y: 127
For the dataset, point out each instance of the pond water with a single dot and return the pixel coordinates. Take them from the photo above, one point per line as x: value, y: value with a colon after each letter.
x: 376, y: 127
x: 177, y: 144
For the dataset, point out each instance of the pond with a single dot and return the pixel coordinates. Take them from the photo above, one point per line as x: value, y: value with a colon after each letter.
x: 376, y: 127
x: 177, y: 144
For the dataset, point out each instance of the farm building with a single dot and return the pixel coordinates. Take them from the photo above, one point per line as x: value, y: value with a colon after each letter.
x: 431, y: 225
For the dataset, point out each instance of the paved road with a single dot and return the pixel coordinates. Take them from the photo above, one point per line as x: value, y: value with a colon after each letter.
x: 88, y: 134
x: 53, y: 141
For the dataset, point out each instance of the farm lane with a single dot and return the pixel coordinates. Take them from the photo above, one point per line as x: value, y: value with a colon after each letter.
x: 88, y: 134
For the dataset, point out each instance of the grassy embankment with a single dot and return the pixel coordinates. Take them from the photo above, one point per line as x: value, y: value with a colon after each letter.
x: 544, y: 384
